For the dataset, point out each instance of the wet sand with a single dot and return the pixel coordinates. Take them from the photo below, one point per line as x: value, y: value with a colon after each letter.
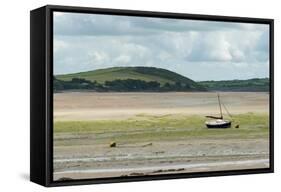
x: 168, y: 169
x: 160, y: 158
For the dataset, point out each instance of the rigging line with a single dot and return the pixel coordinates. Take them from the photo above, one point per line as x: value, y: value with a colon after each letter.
x: 227, y: 111
x: 220, y: 105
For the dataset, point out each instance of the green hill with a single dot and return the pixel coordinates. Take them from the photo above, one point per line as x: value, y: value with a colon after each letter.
x: 139, y: 73
x: 127, y: 78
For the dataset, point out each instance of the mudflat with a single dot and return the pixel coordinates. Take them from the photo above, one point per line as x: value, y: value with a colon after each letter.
x: 156, y: 133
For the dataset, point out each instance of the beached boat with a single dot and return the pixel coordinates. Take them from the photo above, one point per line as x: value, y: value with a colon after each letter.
x: 218, y: 122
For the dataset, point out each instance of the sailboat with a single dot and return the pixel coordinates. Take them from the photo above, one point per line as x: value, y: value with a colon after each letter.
x: 218, y: 122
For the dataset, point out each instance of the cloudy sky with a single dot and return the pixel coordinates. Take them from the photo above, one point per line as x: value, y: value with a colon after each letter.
x: 200, y: 50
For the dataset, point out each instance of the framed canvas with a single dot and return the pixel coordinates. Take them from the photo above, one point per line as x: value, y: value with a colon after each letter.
x: 125, y: 95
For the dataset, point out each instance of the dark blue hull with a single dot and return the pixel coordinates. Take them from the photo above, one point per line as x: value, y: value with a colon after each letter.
x: 221, y: 126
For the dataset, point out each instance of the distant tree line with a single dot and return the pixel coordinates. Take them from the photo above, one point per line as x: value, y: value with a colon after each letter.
x: 256, y: 84
x: 119, y: 85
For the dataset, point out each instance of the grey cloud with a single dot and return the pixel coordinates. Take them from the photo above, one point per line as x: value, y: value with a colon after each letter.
x: 91, y: 24
x: 95, y: 25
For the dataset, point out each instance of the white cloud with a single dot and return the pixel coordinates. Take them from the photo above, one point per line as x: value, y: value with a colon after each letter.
x: 98, y: 56
x: 123, y: 59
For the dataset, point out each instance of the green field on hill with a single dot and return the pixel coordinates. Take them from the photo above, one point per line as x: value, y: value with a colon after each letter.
x: 139, y: 73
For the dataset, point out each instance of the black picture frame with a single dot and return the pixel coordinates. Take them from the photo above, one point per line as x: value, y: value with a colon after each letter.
x: 41, y: 94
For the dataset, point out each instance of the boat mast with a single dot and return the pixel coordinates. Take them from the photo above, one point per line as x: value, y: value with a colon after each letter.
x: 220, y: 105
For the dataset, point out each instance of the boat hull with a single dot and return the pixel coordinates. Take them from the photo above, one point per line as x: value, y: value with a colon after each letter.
x: 219, y: 126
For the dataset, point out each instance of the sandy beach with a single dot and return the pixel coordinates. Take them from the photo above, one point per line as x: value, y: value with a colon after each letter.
x: 93, y: 106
